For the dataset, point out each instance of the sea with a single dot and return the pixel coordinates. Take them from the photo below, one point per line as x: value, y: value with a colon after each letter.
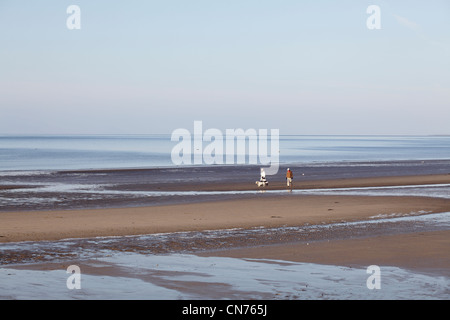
x: 75, y: 152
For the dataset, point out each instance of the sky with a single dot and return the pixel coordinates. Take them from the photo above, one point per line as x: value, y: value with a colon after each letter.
x: 303, y: 67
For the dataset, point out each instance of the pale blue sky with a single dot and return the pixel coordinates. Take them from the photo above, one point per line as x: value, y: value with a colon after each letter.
x: 304, y: 67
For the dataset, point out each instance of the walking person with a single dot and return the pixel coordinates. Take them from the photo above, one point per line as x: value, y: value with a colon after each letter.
x: 289, y: 178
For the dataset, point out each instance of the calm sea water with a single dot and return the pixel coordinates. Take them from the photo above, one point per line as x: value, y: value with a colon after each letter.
x: 146, y: 151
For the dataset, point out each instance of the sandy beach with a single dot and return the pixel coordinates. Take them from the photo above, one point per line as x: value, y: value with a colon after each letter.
x: 272, y: 211
x: 403, y: 246
x: 256, y: 210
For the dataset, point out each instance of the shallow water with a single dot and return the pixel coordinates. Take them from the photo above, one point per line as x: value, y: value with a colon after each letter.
x: 50, y: 190
x: 178, y: 276
x: 164, y: 266
x: 66, y: 195
x: 200, y: 241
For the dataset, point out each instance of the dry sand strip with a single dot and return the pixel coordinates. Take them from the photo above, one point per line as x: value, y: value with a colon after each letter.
x: 271, y: 211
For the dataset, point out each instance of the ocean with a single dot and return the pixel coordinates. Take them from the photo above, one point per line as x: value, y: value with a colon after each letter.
x: 78, y: 152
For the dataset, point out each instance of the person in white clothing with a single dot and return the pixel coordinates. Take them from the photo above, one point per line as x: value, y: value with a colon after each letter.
x: 262, y: 181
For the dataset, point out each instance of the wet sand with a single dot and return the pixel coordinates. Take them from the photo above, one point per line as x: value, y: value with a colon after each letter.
x: 266, y: 211
x: 420, y: 251
x: 426, y: 251
x: 101, y: 189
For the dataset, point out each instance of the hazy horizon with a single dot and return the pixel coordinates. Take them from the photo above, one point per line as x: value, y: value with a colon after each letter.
x: 168, y: 134
x: 150, y: 67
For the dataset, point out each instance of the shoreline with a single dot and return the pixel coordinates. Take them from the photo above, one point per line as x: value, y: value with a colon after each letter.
x: 219, y: 211
x: 69, y: 190
x: 144, y: 187
x: 255, y: 227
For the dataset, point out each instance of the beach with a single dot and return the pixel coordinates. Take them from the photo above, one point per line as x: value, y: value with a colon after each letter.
x: 394, y: 221
x: 268, y: 212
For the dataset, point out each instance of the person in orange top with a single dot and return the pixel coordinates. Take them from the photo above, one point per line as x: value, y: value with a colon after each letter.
x: 289, y: 177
